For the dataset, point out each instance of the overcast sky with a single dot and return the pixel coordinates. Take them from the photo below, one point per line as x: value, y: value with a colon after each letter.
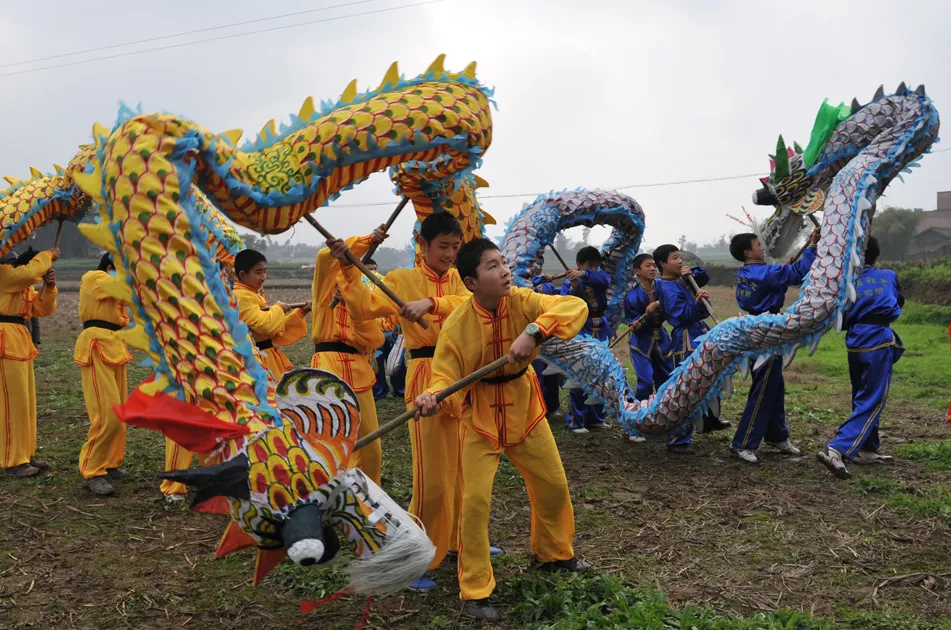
x: 592, y: 93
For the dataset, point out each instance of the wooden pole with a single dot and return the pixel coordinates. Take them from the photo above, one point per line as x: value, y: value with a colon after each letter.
x: 353, y: 260
x: 706, y: 302
x: 560, y: 259
x: 619, y: 339
x: 59, y: 230
x: 290, y: 306
x: 449, y: 391
x: 389, y: 223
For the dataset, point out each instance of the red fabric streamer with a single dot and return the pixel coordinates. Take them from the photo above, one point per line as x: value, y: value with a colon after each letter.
x: 189, y: 426
x: 309, y: 606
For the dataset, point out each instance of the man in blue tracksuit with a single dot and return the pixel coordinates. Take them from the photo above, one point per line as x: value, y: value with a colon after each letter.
x: 649, y: 341
x: 551, y: 383
x: 761, y: 288
x: 590, y: 283
x: 873, y: 348
x: 685, y: 313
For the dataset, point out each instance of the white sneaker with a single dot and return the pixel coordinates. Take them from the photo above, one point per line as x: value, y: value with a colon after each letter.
x: 832, y: 459
x: 868, y: 458
x: 785, y: 447
x: 746, y: 455
x: 174, y: 498
x: 637, y: 439
x: 579, y: 430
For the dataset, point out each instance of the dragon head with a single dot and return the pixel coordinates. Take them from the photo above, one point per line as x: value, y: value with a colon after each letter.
x: 286, y: 487
x: 789, y: 185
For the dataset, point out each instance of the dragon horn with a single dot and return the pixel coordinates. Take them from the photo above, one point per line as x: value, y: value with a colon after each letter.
x: 782, y: 159
x: 879, y: 93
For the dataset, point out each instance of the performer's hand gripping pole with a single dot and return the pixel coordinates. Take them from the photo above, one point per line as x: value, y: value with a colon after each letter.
x: 449, y: 391
x: 59, y: 230
x: 706, y: 302
x: 353, y: 260
x: 803, y: 249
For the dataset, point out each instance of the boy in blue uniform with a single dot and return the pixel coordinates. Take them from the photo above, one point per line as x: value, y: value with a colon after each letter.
x: 649, y: 340
x: 590, y: 283
x: 551, y: 383
x: 761, y: 288
x: 873, y: 347
x: 685, y: 312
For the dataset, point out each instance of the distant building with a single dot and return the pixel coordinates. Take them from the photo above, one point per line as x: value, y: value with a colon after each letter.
x: 933, y: 238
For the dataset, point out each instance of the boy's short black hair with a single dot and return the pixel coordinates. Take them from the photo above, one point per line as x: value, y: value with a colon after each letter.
x: 640, y: 258
x: 663, y: 252
x: 588, y: 254
x: 370, y: 261
x: 872, y: 251
x: 438, y: 224
x: 470, y: 255
x: 246, y: 259
x: 740, y: 243
x: 105, y: 262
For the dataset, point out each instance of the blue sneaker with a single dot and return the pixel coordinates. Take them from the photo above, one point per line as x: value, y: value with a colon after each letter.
x: 423, y: 585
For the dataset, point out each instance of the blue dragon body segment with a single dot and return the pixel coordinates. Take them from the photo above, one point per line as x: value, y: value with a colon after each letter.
x: 848, y: 167
x: 584, y: 359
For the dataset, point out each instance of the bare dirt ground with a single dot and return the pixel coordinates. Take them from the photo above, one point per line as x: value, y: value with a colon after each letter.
x: 704, y: 530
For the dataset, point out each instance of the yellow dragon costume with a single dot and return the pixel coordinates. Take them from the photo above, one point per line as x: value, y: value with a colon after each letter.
x: 276, y: 455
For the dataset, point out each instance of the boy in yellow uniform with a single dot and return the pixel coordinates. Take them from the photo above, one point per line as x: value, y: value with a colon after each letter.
x: 102, y: 358
x: 19, y: 301
x: 346, y: 347
x: 503, y: 413
x: 270, y: 326
x: 432, y: 291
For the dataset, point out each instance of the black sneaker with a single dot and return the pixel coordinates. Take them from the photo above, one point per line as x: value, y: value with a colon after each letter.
x: 23, y: 470
x: 39, y: 463
x: 680, y: 449
x: 480, y: 609
x: 99, y: 485
x: 573, y: 565
x: 116, y: 474
x: 715, y: 424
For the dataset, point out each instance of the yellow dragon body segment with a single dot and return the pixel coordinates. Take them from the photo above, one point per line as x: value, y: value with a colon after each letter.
x: 148, y: 175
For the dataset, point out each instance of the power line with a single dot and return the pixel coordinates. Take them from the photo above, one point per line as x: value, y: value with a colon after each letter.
x: 183, y: 34
x: 223, y: 37
x: 650, y: 185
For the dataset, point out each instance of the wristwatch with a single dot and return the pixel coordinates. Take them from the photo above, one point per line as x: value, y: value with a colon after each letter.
x: 535, y: 331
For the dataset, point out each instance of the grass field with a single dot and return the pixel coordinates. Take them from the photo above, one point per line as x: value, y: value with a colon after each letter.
x: 705, y: 542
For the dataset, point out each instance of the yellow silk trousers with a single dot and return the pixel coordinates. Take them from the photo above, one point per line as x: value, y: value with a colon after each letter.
x: 17, y: 412
x: 553, y: 522
x: 369, y: 459
x: 437, y: 492
x: 103, y: 386
x: 176, y: 458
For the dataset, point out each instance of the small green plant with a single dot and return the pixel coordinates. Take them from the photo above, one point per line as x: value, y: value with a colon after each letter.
x: 937, y: 455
